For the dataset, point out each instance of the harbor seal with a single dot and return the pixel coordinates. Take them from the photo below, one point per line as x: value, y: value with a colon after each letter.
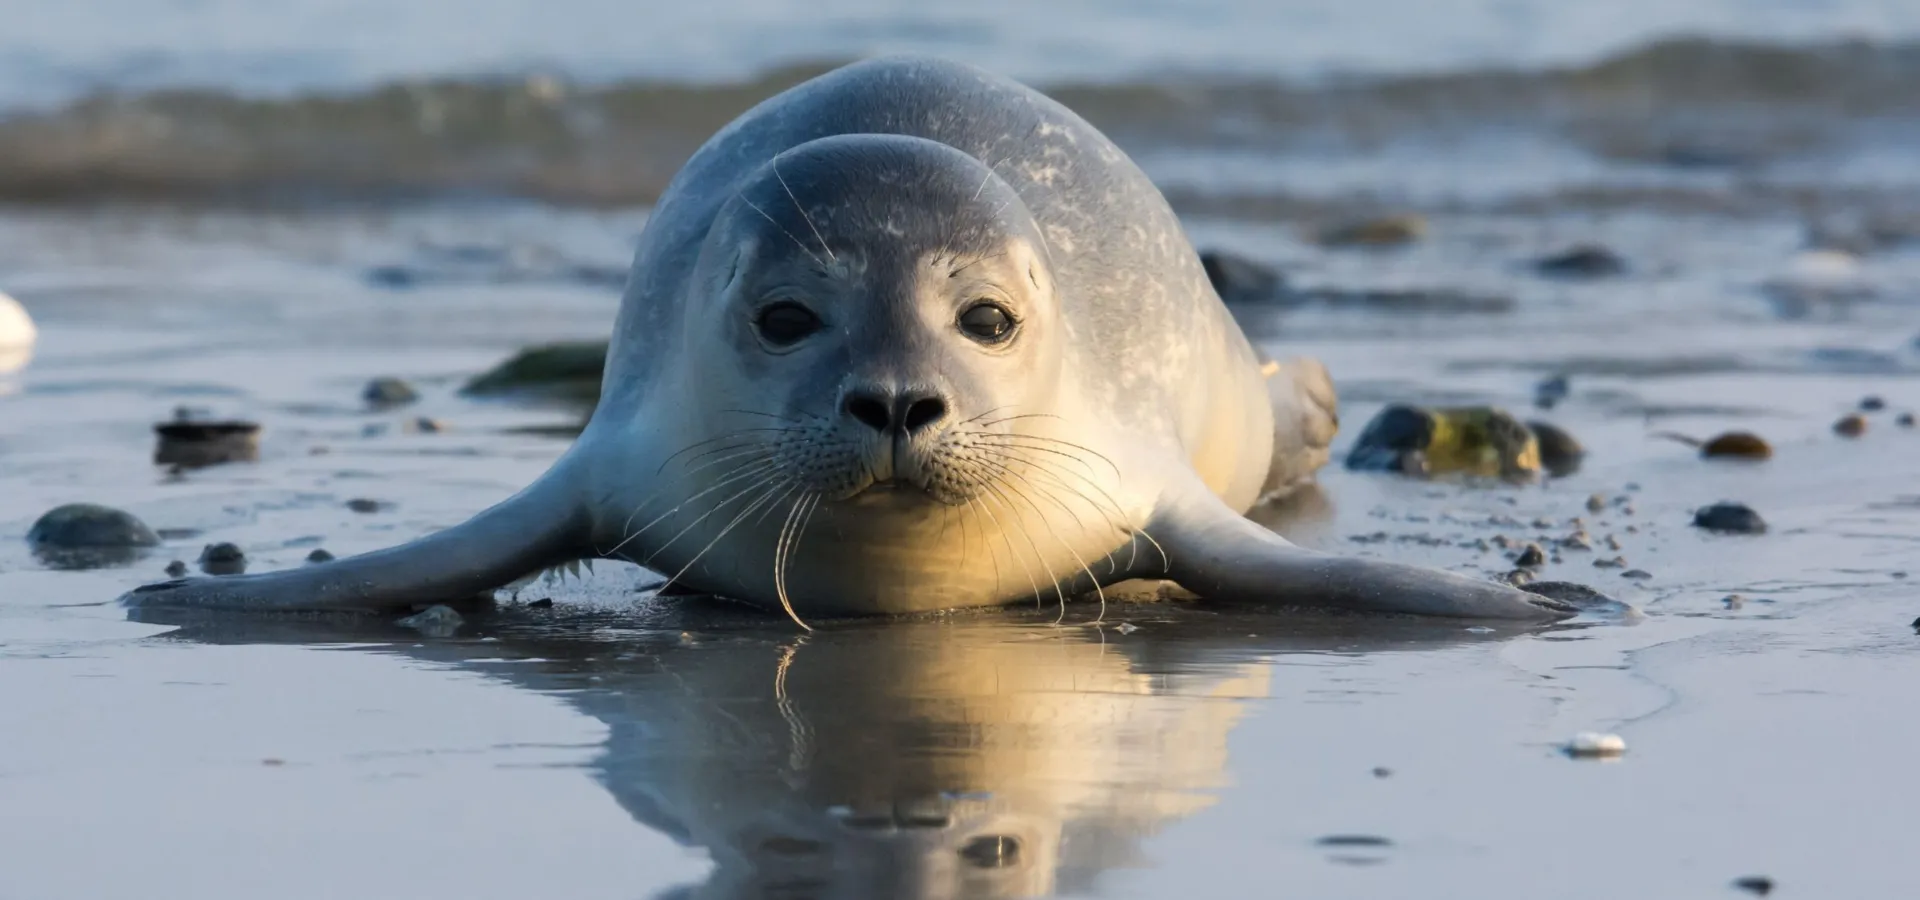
x: 906, y: 337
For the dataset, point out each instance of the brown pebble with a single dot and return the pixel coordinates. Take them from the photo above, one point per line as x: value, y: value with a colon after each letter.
x: 1596, y: 503
x: 1618, y: 562
x: 1531, y: 555
x: 1543, y: 522
x: 1517, y: 577
x: 1734, y: 601
x: 1577, y: 541
x: 1613, y: 543
x: 1852, y: 426
x: 1736, y: 445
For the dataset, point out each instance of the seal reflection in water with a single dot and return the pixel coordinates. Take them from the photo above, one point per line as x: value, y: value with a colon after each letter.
x: 982, y: 756
x: 907, y: 337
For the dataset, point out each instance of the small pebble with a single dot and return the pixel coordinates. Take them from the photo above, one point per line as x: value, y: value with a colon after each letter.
x: 1637, y: 574
x: 1577, y: 541
x: 222, y: 559
x: 273, y: 761
x: 1734, y: 601
x: 319, y: 556
x: 1872, y: 404
x: 1530, y: 556
x: 1543, y: 522
x: 1633, y: 529
x: 1728, y: 517
x: 1737, y: 445
x: 1852, y: 426
x: 1126, y: 628
x: 425, y: 425
x: 1905, y: 420
x: 363, y: 505
x: 1618, y: 562
x: 1582, y: 261
x: 176, y: 569
x: 1551, y: 391
x: 1613, y: 543
x: 1382, y: 772
x: 542, y: 603
x: 388, y: 392
x: 1759, y: 885
x: 1517, y: 577
x: 1594, y: 745
x: 1596, y: 503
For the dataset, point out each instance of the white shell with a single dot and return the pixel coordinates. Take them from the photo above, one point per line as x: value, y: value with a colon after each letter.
x: 1596, y: 744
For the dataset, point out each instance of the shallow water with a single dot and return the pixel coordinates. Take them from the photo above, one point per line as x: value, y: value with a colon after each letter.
x: 620, y: 745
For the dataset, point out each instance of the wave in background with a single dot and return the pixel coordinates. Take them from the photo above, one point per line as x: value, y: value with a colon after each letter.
x: 1691, y: 105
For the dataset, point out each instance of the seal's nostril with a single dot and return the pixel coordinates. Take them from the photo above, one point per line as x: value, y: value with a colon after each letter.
x: 870, y: 410
x: 921, y: 412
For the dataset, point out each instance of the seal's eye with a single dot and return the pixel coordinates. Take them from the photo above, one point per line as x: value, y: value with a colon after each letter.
x: 786, y: 322
x: 987, y: 322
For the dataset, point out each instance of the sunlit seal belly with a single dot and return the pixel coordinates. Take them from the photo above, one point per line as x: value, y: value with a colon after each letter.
x: 910, y: 336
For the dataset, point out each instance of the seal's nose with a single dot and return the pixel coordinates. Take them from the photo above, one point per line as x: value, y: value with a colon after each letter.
x: 908, y: 411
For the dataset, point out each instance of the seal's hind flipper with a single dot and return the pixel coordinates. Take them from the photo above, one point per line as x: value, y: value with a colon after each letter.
x: 1306, y: 416
x: 1226, y: 558
x: 528, y: 532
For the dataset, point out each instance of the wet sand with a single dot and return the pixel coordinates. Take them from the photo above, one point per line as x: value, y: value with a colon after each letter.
x: 619, y: 745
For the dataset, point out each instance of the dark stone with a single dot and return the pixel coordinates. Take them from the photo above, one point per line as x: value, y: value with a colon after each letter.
x: 1873, y: 404
x: 1736, y: 445
x: 176, y: 569
x: 1531, y: 556
x: 1560, y: 452
x: 1581, y: 261
x: 1238, y: 279
x: 1637, y: 574
x: 197, y: 444
x: 363, y: 505
x: 78, y: 525
x: 319, y: 556
x: 1904, y: 420
x: 542, y: 603
x: 393, y: 277
x: 1729, y: 518
x: 1759, y: 885
x: 1851, y: 425
x: 222, y: 559
x: 1382, y: 772
x: 991, y: 851
x: 566, y: 371
x: 388, y: 392
x: 1354, y: 840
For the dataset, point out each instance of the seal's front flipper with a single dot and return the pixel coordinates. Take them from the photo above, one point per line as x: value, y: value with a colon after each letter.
x: 530, y: 531
x: 1226, y: 558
